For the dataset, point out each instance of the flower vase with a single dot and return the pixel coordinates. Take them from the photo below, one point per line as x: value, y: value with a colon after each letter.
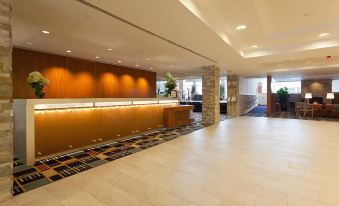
x: 39, y: 93
x: 38, y: 90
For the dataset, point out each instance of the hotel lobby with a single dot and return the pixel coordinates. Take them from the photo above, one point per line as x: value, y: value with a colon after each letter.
x: 171, y: 102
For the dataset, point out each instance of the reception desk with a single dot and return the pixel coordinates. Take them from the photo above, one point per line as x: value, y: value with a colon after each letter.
x: 43, y: 127
x: 177, y: 116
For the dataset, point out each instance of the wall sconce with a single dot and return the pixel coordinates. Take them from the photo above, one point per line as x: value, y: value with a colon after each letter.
x: 107, y: 104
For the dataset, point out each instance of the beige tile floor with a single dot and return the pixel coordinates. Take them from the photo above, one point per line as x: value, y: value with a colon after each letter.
x: 242, y: 161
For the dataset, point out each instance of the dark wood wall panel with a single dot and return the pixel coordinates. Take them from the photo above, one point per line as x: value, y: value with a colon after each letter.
x: 78, y: 78
x: 82, y: 84
x: 128, y: 84
x: 108, y: 80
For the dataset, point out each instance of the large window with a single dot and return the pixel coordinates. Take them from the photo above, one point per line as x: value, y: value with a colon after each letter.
x: 262, y: 85
x: 192, y: 86
x: 293, y: 87
x: 161, y: 87
x: 223, y: 88
x: 335, y: 86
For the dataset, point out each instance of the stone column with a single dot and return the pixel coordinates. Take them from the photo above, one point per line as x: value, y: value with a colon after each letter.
x: 269, y: 96
x: 6, y: 125
x: 232, y: 95
x: 211, y: 95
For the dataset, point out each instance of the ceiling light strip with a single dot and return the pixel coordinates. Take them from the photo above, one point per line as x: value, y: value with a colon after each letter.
x: 144, y: 30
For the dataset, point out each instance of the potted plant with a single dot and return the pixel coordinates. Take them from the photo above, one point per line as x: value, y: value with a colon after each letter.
x: 283, y: 98
x: 170, y: 84
x: 38, y: 83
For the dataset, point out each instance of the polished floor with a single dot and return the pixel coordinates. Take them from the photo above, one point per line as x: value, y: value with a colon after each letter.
x: 55, y: 168
x: 242, y: 161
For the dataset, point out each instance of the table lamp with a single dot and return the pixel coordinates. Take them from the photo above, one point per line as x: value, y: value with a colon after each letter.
x: 308, y: 96
x: 330, y: 96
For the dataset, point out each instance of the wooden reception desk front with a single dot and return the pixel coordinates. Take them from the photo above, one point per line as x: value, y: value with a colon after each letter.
x: 177, y: 116
x: 43, y: 127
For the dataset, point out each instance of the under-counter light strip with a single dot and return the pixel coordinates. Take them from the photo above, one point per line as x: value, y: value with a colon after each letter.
x: 100, y: 105
x: 145, y: 102
x: 79, y: 109
x: 105, y: 104
x: 168, y: 101
x: 63, y: 106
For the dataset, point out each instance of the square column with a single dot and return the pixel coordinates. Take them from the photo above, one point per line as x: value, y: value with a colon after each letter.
x: 6, y: 122
x: 232, y: 95
x: 211, y: 95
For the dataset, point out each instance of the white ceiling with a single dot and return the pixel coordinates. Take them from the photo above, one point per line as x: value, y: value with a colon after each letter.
x: 286, y: 32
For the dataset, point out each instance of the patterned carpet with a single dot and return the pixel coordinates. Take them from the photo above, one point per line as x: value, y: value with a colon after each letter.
x: 260, y: 111
x: 53, y: 169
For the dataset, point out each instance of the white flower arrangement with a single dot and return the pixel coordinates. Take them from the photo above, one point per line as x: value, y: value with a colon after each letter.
x: 37, y: 78
x: 38, y: 82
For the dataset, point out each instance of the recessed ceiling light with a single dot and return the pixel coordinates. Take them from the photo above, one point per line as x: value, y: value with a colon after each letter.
x: 148, y: 59
x: 254, y: 46
x: 97, y: 57
x: 119, y: 61
x: 137, y: 65
x: 45, y: 32
x: 68, y: 51
x: 29, y: 43
x: 323, y: 35
x: 109, y: 49
x: 241, y: 27
x: 150, y: 68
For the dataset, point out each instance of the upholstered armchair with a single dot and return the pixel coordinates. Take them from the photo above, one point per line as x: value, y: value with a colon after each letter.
x: 316, y: 108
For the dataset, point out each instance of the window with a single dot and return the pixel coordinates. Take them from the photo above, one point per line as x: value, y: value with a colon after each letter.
x: 262, y: 85
x: 293, y: 87
x: 223, y: 88
x: 161, y: 87
x: 335, y: 86
x: 196, y: 84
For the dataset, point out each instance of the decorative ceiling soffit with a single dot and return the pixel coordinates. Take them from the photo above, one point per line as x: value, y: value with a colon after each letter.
x: 143, y: 29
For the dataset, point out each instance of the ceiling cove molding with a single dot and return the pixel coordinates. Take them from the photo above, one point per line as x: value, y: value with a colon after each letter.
x: 143, y: 29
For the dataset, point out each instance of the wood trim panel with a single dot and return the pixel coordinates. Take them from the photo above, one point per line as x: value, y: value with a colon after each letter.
x: 78, y: 78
